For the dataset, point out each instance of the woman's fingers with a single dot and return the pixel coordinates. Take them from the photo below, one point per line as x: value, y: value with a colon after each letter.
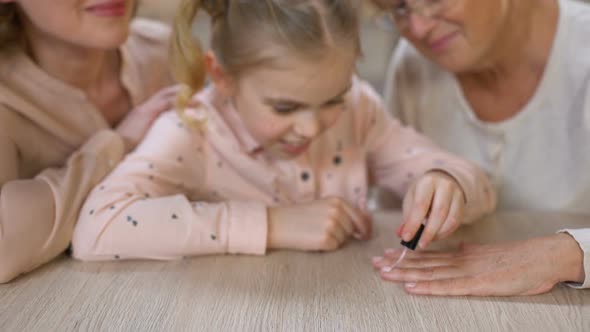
x: 449, y: 287
x: 400, y: 274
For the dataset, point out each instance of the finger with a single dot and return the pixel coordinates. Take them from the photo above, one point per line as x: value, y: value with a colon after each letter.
x: 169, y: 91
x: 455, y: 216
x: 406, y: 209
x: 156, y: 106
x: 163, y: 99
x: 441, y: 204
x: 422, y: 274
x: 337, y: 232
x: 358, y: 219
x: 380, y: 262
x: 428, y: 262
x: 452, y: 287
x: 395, y: 253
x: 195, y: 103
x: 363, y: 209
x: 419, y: 209
x: 347, y: 225
x: 331, y: 244
x: 344, y: 220
x: 408, y: 202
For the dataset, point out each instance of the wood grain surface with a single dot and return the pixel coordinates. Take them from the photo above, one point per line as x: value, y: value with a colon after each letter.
x: 283, y: 291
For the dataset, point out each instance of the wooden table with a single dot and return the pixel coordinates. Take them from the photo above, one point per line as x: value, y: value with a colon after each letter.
x: 283, y: 291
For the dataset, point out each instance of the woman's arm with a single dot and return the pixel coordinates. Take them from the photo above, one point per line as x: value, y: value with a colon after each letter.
x: 37, y: 215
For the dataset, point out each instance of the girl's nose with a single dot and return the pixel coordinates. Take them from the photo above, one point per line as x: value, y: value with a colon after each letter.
x: 307, y: 124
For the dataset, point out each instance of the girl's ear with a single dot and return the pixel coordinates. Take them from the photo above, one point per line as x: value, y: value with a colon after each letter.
x: 224, y: 83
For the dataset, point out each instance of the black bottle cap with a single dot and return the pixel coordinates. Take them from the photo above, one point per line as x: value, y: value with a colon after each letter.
x: 414, y: 242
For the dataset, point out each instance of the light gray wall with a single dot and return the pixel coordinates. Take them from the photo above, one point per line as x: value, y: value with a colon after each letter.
x: 377, y: 41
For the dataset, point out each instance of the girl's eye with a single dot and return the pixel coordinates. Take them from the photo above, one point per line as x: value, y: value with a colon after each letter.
x: 285, y: 109
x: 334, y: 102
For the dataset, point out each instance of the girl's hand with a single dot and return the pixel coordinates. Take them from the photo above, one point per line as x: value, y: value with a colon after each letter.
x: 139, y: 120
x: 519, y: 268
x: 438, y: 198
x: 323, y: 224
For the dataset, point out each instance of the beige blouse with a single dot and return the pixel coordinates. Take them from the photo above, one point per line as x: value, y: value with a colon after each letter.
x: 55, y: 145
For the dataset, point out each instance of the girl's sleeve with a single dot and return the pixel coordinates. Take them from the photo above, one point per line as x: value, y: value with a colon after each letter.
x: 155, y: 206
x: 398, y: 155
x: 37, y: 216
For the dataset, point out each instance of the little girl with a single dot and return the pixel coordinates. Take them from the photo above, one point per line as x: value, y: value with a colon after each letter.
x: 281, y: 151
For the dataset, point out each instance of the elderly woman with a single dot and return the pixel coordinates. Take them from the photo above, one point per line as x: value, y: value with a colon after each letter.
x: 75, y: 78
x: 504, y: 83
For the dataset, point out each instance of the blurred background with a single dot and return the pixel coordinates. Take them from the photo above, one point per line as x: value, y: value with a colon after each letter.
x: 378, y: 40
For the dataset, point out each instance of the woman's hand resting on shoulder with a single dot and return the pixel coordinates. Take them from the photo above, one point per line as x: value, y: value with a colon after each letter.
x: 139, y: 120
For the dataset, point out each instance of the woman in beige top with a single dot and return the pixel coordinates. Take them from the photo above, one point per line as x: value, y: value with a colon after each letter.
x: 75, y: 78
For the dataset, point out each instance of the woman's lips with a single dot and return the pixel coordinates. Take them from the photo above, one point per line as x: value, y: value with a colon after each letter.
x: 443, y: 43
x: 109, y: 9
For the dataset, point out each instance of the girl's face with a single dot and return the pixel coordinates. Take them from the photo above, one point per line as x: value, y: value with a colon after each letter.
x: 97, y: 24
x: 461, y: 36
x: 288, y: 105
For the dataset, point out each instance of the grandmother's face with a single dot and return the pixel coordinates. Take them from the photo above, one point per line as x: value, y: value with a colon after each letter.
x: 461, y: 34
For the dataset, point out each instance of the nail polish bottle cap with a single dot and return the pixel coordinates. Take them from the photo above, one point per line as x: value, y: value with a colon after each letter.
x: 413, y: 243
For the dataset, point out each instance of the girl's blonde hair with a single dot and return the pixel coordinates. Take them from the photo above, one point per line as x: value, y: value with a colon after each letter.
x: 243, y: 29
x: 11, y: 34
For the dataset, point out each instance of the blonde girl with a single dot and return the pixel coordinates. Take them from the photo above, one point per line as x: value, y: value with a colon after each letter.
x: 281, y: 151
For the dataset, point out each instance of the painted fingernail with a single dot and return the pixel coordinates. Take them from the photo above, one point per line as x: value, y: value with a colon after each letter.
x: 386, y: 269
x: 410, y: 285
x: 377, y: 259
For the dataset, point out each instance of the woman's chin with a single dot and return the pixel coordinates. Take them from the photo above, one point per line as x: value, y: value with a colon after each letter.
x: 454, y: 64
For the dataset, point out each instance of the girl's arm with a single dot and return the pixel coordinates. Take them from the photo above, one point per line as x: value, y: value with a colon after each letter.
x: 398, y: 155
x: 37, y: 215
x: 155, y: 205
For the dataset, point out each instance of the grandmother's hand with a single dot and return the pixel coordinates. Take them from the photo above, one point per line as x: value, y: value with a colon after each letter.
x: 527, y: 267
